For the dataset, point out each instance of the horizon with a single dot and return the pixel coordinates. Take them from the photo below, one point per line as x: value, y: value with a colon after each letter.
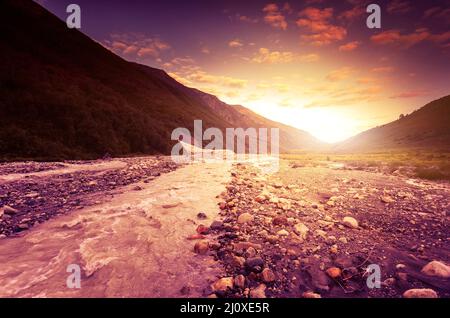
x: 312, y: 65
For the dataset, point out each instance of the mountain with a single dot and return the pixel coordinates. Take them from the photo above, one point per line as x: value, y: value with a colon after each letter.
x: 64, y: 96
x: 427, y: 127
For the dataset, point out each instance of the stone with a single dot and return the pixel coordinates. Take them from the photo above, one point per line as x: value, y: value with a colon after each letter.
x: 242, y: 246
x: 267, y: 275
x: 201, y: 216
x: 250, y: 252
x: 386, y: 199
x: 301, y: 230
x: 23, y: 226
x: 8, y: 210
x: 310, y: 294
x: 279, y: 220
x: 222, y: 205
x: 334, y: 272
x: 254, y: 264
x: 223, y: 284
x: 350, y: 222
x: 196, y: 237
x: 258, y: 292
x: 237, y: 261
x: 201, y: 247
x: 239, y: 281
x: 282, y: 232
x: 201, y: 229
x: 263, y: 196
x: 420, y: 293
x: 245, y: 218
x: 216, y: 225
x: 437, y: 269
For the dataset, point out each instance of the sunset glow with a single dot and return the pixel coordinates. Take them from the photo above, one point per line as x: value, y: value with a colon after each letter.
x: 311, y: 64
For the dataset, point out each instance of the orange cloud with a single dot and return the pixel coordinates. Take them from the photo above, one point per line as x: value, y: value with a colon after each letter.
x: 309, y: 58
x: 349, y: 46
x: 244, y: 18
x: 235, y: 43
x: 394, y: 37
x: 382, y: 69
x: 264, y: 55
x: 340, y: 74
x: 317, y: 22
x: 274, y: 17
x: 352, y: 14
x: 410, y: 94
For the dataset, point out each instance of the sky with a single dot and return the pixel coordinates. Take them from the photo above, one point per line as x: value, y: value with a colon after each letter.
x: 311, y: 64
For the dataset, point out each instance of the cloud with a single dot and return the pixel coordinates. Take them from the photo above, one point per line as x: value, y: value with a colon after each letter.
x: 235, y: 43
x: 274, y: 17
x: 382, y: 69
x: 365, y: 80
x: 309, y: 58
x: 136, y: 45
x: 394, y: 37
x: 403, y: 40
x: 410, y: 94
x: 340, y: 74
x: 317, y: 22
x: 264, y: 55
x: 399, y: 7
x: 349, y: 46
x: 352, y: 14
x: 244, y: 18
x: 438, y: 12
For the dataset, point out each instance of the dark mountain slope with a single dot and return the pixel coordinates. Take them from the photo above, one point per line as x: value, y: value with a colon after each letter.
x: 64, y: 96
x: 427, y: 127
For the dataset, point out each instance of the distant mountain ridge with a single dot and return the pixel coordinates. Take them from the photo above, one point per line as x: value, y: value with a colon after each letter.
x: 427, y: 127
x: 64, y: 96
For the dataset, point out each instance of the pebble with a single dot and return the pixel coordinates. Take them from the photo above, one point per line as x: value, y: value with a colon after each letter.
x: 310, y: 294
x: 201, y: 229
x: 301, y: 229
x: 387, y: 199
x: 239, y: 281
x: 258, y: 292
x: 8, y: 210
x: 201, y: 247
x: 245, y: 218
x: 420, y: 293
x: 267, y: 275
x: 350, y: 222
x: 437, y: 269
x: 216, y: 225
x: 254, y: 264
x: 282, y: 232
x: 334, y: 272
x: 201, y: 215
x: 223, y: 284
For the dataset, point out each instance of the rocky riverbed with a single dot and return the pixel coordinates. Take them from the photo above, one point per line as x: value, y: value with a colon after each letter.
x: 145, y: 227
x: 314, y: 232
x: 31, y: 193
